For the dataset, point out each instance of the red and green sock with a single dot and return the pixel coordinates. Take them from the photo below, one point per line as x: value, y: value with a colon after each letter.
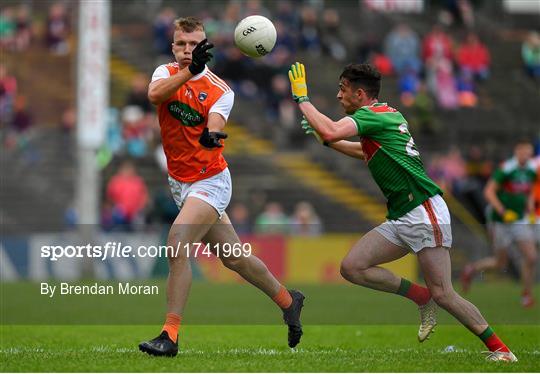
x: 420, y: 295
x: 492, y: 341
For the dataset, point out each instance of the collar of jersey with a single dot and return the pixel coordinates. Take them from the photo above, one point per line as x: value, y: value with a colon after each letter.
x: 200, y: 75
x: 374, y: 104
x: 513, y: 163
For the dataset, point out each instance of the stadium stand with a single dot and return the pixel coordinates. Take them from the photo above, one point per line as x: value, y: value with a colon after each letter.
x: 506, y: 107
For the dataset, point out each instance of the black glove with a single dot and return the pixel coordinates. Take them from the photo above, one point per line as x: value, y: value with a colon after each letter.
x: 211, y: 139
x: 200, y: 56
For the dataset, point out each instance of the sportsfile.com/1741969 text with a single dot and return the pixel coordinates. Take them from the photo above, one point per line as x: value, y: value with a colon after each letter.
x: 118, y: 250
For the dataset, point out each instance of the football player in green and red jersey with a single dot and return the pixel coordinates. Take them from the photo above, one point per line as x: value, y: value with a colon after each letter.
x: 509, y: 194
x: 418, y: 219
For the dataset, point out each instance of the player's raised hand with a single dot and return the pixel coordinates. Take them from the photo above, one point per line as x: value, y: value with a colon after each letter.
x: 297, y: 76
x: 200, y: 56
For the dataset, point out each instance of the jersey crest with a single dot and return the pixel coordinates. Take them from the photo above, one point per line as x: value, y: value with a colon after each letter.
x: 202, y: 96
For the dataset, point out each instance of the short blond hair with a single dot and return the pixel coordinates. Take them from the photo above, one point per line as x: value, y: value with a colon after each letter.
x: 188, y: 24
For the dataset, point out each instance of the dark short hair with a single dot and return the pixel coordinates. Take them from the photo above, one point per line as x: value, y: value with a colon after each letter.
x: 364, y: 76
x: 188, y: 24
x: 523, y: 141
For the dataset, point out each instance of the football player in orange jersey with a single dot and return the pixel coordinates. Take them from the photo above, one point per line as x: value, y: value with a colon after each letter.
x: 193, y: 106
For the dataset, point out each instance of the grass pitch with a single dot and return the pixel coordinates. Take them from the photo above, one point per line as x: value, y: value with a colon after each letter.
x: 260, y: 349
x: 232, y: 346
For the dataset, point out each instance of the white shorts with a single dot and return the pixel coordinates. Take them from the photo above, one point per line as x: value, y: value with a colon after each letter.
x: 426, y: 226
x: 216, y: 191
x: 504, y: 234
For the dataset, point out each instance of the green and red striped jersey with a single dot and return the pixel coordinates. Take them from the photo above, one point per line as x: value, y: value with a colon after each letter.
x: 393, y: 159
x: 515, y: 184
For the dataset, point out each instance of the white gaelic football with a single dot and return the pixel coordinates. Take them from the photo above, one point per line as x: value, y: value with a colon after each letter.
x: 255, y: 36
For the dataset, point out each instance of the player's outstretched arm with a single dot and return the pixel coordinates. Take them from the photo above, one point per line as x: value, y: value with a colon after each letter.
x: 328, y: 130
x: 160, y: 90
x: 490, y: 193
x: 352, y: 149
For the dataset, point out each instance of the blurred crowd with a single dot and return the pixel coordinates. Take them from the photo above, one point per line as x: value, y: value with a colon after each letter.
x: 20, y: 30
x: 128, y: 205
x: 530, y: 53
x: 126, y: 198
x: 16, y: 118
x: 133, y: 130
x: 434, y: 65
x: 433, y: 69
x: 273, y: 219
x: 450, y: 72
x: 443, y: 68
x: 464, y: 174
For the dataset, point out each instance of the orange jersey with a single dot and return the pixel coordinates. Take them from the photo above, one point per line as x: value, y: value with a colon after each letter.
x: 182, y: 119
